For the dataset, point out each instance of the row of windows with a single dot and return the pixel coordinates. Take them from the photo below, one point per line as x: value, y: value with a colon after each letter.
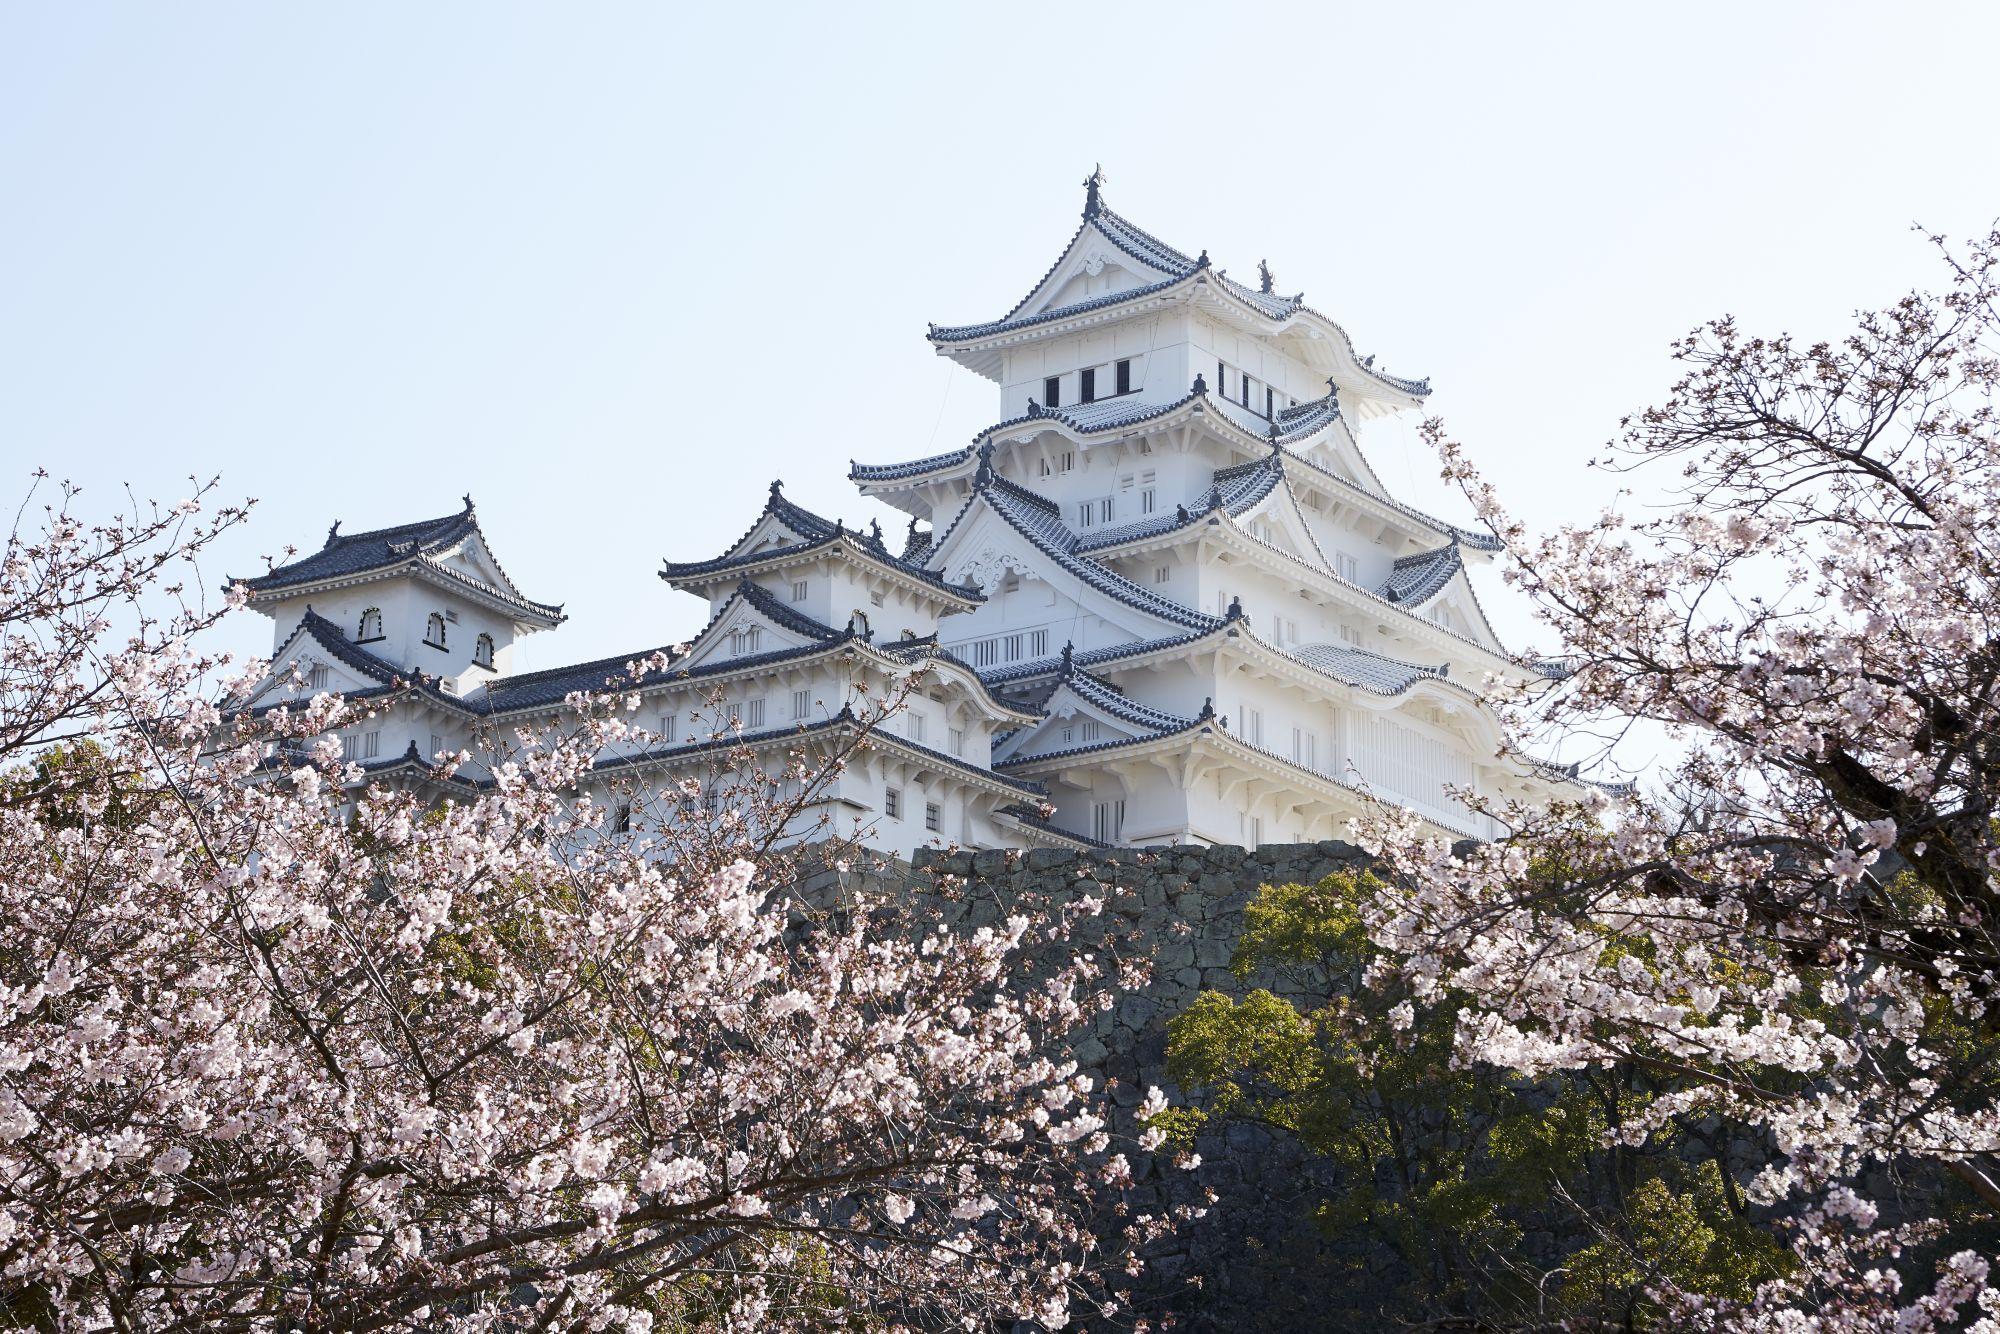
x: 1251, y: 393
x: 435, y: 624
x: 892, y: 807
x: 1023, y: 644
x: 1086, y: 384
x: 750, y: 713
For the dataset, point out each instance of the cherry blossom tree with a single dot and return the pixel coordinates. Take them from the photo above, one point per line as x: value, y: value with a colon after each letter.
x: 280, y: 1048
x: 1793, y: 923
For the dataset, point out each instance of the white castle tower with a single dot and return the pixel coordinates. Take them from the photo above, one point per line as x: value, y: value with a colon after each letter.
x: 1164, y: 600
x: 1190, y: 567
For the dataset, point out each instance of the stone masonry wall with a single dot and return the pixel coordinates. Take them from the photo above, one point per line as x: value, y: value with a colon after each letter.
x: 1255, y: 1260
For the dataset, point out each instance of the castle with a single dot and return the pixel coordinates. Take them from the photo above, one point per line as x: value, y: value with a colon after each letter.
x: 1164, y: 600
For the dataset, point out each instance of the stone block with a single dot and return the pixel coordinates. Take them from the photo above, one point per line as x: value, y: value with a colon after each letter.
x: 1043, y: 859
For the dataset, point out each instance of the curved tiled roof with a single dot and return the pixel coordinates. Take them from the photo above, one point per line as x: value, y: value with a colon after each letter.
x: 1236, y: 490
x: 552, y: 686
x: 1157, y: 255
x: 1371, y: 671
x: 1422, y: 576
x: 818, y: 534
x: 844, y: 720
x: 889, y: 472
x: 1037, y: 519
x: 1101, y: 694
x: 381, y: 549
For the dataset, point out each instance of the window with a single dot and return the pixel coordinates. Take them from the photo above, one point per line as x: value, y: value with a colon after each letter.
x: 437, y: 744
x: 1270, y: 401
x: 957, y: 740
x: 621, y: 818
x: 933, y: 816
x: 371, y: 625
x: 1092, y: 512
x: 915, y: 727
x: 1092, y: 730
x: 1305, y: 748
x: 361, y: 745
x: 1038, y: 643
x: 1439, y: 616
x: 1123, y: 372
x: 1161, y: 573
x: 892, y: 803
x: 799, y: 587
x: 1253, y: 725
x: 434, y: 630
x: 451, y: 616
x: 802, y: 703
x: 1147, y: 498
x: 669, y: 725
x: 1087, y: 385
x: 1350, y: 635
x: 1052, y: 392
x: 1107, y: 822
x: 1221, y: 378
x: 482, y: 651
x: 1067, y: 463
x: 753, y: 713
x: 1243, y: 383
x: 1256, y: 831
x: 1347, y: 567
x: 745, y: 640
x: 316, y: 679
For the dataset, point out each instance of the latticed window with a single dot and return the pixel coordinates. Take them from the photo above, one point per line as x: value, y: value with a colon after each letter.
x: 434, y: 630
x: 482, y: 650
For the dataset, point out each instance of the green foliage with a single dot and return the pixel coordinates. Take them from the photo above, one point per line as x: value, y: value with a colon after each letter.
x: 1447, y: 1169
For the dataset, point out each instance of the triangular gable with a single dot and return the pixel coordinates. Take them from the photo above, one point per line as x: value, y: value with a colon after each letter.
x: 986, y: 543
x: 1284, y: 526
x: 1456, y: 608
x: 1104, y: 256
x: 471, y: 557
x: 773, y: 532
x: 1072, y: 721
x: 744, y: 629
x: 314, y: 644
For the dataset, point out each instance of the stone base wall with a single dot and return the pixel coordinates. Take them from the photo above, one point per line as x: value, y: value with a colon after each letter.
x: 1256, y: 1261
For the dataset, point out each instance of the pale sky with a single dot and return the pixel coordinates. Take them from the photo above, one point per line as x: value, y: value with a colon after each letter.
x: 613, y: 267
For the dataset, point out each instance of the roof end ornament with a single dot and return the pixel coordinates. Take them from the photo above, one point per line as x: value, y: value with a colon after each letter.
x: 332, y: 533
x: 1267, y: 282
x: 1093, y: 196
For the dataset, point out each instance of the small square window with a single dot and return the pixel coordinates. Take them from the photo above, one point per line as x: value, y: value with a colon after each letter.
x: 1052, y: 392
x: 799, y: 588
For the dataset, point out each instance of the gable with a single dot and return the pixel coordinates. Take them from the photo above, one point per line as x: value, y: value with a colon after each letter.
x: 1092, y: 266
x: 770, y: 533
x: 1278, y: 521
x: 1072, y: 722
x: 741, y: 630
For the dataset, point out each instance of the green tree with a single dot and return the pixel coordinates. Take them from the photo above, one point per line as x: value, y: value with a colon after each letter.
x: 1492, y: 1198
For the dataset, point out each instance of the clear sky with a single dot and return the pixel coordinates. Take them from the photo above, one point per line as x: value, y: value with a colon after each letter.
x: 612, y: 267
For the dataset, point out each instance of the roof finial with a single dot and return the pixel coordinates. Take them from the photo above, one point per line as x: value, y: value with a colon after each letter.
x: 985, y: 473
x: 1264, y: 277
x: 913, y: 525
x: 468, y: 502
x: 1068, y: 656
x: 875, y: 531
x: 1034, y: 408
x: 1180, y: 514
x: 1207, y: 708
x: 1202, y: 263
x: 1235, y: 607
x: 1215, y: 496
x: 777, y: 485
x: 1200, y: 385
x: 1093, y: 186
x: 333, y: 532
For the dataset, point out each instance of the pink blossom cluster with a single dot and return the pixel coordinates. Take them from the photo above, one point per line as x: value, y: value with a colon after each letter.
x: 278, y: 1048
x: 1793, y: 922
